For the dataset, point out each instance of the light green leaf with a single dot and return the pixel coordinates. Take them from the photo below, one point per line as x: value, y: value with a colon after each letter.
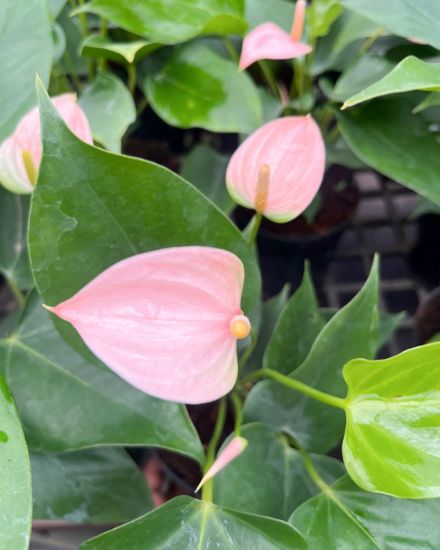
x: 172, y: 21
x: 26, y: 48
x: 123, y: 52
x: 95, y: 486
x: 66, y: 403
x: 271, y: 475
x: 109, y: 108
x: 391, y: 442
x: 195, y: 87
x: 15, y: 478
x: 431, y: 100
x: 277, y: 11
x: 346, y: 515
x: 322, y: 15
x: 352, y: 332
x: 55, y: 7
x: 384, y: 133
x: 206, y: 169
x: 414, y: 20
x: 186, y: 523
x: 409, y: 75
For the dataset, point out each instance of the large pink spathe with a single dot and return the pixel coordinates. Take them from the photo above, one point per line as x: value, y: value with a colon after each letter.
x: 290, y: 155
x: 269, y: 41
x: 20, y: 153
x: 166, y: 321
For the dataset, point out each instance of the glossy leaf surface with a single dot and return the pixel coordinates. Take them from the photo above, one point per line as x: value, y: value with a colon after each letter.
x: 122, y: 52
x: 271, y: 475
x: 15, y: 477
x: 66, y: 403
x: 195, y: 87
x: 95, y: 486
x: 391, y: 442
x: 188, y: 523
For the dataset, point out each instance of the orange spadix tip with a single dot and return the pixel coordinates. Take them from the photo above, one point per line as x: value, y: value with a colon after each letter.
x: 240, y: 327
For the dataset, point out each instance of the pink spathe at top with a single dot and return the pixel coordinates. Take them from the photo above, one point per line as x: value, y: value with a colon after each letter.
x: 269, y: 41
x: 232, y: 450
x: 279, y: 168
x: 20, y: 153
x: 166, y: 321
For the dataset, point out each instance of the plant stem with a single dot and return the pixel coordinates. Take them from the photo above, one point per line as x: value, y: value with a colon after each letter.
x: 247, y: 352
x: 238, y: 411
x: 371, y: 40
x: 131, y: 72
x: 85, y: 31
x: 18, y: 294
x: 231, y: 50
x: 313, y: 473
x: 296, y: 385
x: 268, y: 75
x: 257, y: 222
x: 210, y: 453
x: 102, y: 62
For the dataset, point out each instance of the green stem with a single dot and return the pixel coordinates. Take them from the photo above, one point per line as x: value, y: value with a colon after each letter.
x: 314, y: 475
x: 85, y: 31
x: 131, y: 72
x: 296, y: 385
x: 247, y: 352
x: 257, y: 222
x: 213, y: 444
x: 231, y: 50
x: 102, y: 62
x: 268, y: 75
x: 238, y: 412
x: 18, y: 294
x: 371, y: 40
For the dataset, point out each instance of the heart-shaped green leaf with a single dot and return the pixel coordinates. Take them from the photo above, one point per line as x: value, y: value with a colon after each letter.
x: 392, y: 437
x: 94, y: 486
x: 196, y: 87
x: 66, y: 403
x: 98, y: 46
x: 409, y: 75
x: 186, y: 523
x: 15, y: 478
x: 277, y: 11
x: 271, y: 475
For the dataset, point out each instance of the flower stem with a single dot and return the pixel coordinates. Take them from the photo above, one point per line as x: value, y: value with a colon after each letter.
x: 313, y: 473
x: 296, y: 385
x: 18, y: 294
x: 268, y: 75
x: 213, y: 444
x: 257, y: 222
x: 231, y: 50
x: 131, y: 72
x: 238, y: 412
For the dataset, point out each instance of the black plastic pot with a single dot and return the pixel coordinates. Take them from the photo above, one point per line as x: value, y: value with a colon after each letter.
x: 424, y: 258
x: 428, y: 317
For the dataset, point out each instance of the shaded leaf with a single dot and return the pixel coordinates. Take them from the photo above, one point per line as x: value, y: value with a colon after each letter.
x: 277, y: 11
x: 101, y: 47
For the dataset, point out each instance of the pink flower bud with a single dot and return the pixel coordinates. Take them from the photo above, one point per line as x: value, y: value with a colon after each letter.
x: 233, y: 449
x: 166, y: 321
x: 20, y: 153
x: 278, y: 169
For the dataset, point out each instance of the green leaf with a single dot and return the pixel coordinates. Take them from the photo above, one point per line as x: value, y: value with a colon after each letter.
x: 388, y: 126
x: 66, y: 403
x: 109, y: 108
x: 196, y: 87
x: 323, y: 14
x: 277, y: 11
x: 14, y: 262
x: 186, y: 523
x: 352, y: 332
x: 172, y: 21
x: 101, y: 47
x: 431, y: 100
x: 95, y: 486
x: 91, y: 209
x: 206, y: 169
x: 297, y: 328
x: 409, y: 75
x: 271, y: 475
x: 414, y: 20
x: 26, y: 48
x: 367, y: 521
x: 55, y: 7
x: 391, y: 442
x: 15, y: 478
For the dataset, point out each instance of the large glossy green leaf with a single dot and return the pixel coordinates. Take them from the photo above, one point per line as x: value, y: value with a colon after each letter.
x: 277, y: 11
x: 122, y: 52
x: 66, y: 403
x: 322, y: 15
x: 95, y: 486
x: 352, y: 332
x: 14, y: 261
x: 270, y: 475
x: 409, y: 75
x: 385, y: 132
x: 418, y: 20
x: 297, y: 328
x: 172, y: 21
x: 347, y: 518
x: 186, y: 523
x: 91, y: 209
x: 196, y: 87
x: 109, y: 108
x: 392, y: 438
x: 15, y: 478
x: 25, y: 50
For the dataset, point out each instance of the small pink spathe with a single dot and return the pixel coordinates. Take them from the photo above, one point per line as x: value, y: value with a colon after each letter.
x: 233, y: 449
x: 293, y: 150
x: 26, y: 140
x: 166, y: 321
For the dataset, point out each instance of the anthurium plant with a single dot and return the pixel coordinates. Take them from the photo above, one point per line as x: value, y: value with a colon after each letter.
x: 133, y: 294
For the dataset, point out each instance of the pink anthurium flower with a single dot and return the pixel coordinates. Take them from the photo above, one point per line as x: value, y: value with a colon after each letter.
x: 269, y: 41
x: 20, y: 153
x: 233, y: 449
x: 278, y: 169
x: 166, y: 321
